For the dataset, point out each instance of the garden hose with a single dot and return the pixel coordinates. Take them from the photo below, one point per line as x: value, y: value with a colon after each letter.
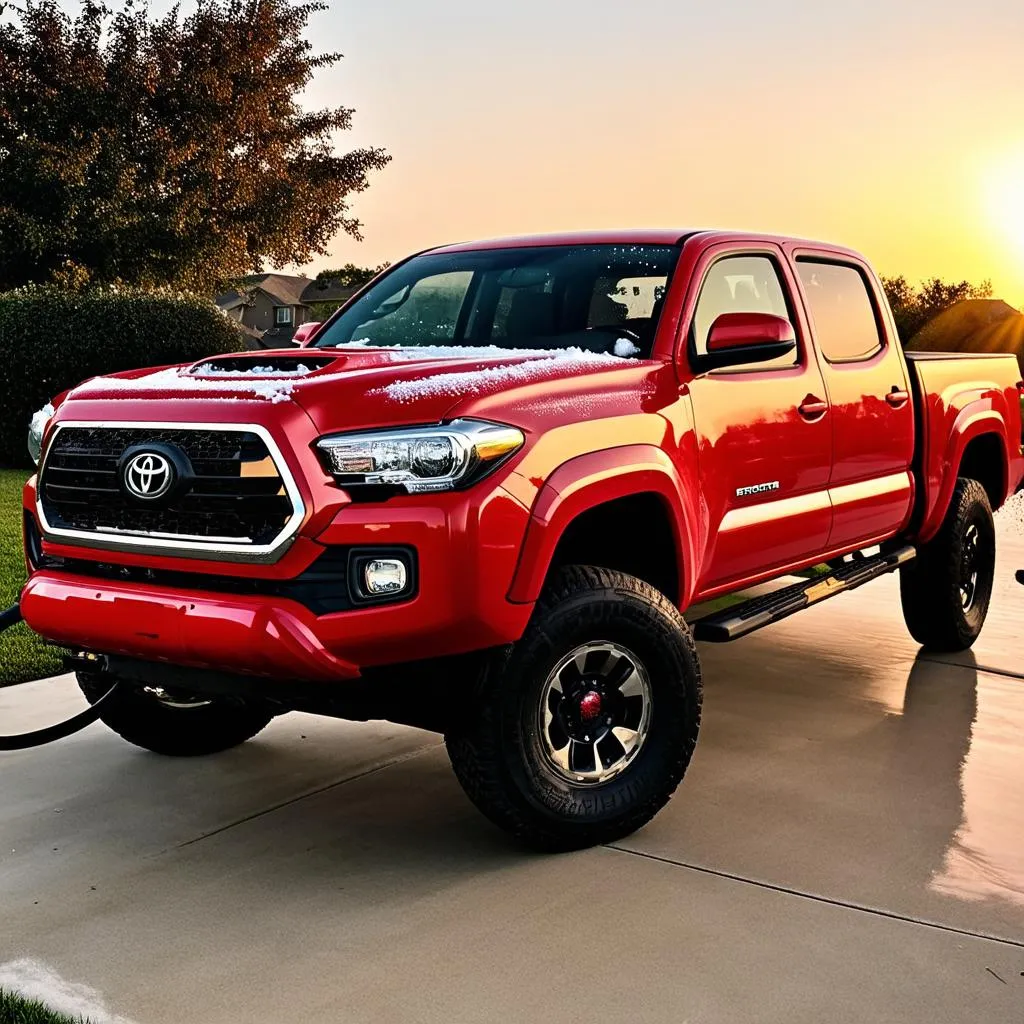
x: 39, y: 738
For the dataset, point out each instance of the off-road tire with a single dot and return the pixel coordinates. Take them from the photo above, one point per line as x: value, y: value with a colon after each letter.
x: 930, y: 585
x: 144, y: 720
x: 496, y: 745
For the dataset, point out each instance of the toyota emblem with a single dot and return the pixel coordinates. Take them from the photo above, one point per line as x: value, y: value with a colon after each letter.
x: 148, y: 476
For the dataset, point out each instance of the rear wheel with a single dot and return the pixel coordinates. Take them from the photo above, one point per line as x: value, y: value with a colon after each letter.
x: 946, y: 590
x: 171, y: 723
x: 584, y: 731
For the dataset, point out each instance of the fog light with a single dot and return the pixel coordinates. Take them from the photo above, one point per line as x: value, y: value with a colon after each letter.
x: 385, y: 576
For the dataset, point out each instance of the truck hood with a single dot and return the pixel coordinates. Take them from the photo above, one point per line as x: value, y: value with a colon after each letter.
x: 363, y: 387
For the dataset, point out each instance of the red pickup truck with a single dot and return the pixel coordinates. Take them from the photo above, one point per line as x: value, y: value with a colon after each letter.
x: 481, y: 497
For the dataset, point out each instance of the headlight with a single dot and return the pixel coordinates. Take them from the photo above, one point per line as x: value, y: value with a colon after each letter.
x: 36, y: 429
x: 420, y: 459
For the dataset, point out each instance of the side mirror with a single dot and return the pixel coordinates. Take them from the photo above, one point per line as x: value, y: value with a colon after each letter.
x: 306, y: 331
x: 739, y: 338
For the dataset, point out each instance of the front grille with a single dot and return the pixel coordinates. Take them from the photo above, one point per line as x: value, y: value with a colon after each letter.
x: 237, y: 495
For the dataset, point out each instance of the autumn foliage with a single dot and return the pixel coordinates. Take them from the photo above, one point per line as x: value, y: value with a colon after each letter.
x: 166, y: 151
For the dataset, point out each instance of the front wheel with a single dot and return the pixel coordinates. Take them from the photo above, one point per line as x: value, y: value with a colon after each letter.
x: 175, y: 724
x: 584, y: 731
x: 946, y: 590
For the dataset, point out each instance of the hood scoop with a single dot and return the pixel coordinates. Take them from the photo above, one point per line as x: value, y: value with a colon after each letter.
x: 257, y: 365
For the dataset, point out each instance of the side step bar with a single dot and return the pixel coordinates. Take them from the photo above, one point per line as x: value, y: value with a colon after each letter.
x: 741, y: 619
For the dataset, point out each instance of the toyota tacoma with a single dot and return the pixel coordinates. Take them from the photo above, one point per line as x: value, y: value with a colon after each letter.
x: 482, y: 496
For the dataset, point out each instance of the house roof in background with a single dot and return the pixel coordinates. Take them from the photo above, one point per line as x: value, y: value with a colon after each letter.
x: 250, y: 332
x: 283, y: 289
x: 229, y: 300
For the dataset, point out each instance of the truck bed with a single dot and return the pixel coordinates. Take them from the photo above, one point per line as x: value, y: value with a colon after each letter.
x: 954, y: 394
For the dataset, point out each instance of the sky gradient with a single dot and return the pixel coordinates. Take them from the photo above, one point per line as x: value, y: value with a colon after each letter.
x: 894, y: 127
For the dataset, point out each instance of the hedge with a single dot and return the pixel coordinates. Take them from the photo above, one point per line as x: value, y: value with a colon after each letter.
x: 51, y: 340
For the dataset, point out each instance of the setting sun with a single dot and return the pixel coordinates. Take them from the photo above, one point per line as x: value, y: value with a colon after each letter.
x: 1004, y: 196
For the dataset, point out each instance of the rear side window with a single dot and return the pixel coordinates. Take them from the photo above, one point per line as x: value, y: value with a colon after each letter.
x: 841, y: 310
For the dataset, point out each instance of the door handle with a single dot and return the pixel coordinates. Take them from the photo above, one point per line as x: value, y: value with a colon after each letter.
x: 812, y: 408
x: 897, y: 396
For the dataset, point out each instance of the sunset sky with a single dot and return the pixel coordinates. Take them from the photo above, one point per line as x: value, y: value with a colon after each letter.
x: 884, y: 125
x: 894, y: 126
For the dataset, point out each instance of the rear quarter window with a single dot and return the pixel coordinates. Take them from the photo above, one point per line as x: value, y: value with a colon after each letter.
x: 841, y: 309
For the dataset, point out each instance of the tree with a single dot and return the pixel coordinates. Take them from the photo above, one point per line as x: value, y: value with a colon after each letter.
x: 913, y: 307
x: 348, y: 276
x: 331, y: 289
x: 174, y: 151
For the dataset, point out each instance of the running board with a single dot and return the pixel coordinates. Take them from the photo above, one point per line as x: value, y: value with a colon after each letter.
x: 741, y: 619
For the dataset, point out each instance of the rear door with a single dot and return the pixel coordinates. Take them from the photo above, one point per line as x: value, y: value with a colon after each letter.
x: 763, y: 431
x: 871, y: 485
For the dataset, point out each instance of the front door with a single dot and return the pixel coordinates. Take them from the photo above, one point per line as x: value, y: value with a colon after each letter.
x: 763, y: 431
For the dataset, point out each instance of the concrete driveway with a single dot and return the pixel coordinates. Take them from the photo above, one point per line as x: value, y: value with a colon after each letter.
x: 847, y: 846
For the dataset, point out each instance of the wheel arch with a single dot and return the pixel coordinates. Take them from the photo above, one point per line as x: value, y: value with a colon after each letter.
x: 977, y: 449
x: 984, y: 458
x: 582, y: 511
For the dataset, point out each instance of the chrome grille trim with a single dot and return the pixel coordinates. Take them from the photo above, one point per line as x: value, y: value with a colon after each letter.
x: 180, y: 545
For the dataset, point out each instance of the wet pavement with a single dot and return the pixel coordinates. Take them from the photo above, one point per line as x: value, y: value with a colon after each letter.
x: 847, y: 846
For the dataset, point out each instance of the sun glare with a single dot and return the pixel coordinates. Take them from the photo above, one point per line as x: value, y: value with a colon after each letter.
x: 1004, y: 194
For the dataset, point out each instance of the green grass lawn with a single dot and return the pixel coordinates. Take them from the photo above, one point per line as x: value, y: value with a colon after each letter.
x: 23, y: 655
x: 15, y: 1010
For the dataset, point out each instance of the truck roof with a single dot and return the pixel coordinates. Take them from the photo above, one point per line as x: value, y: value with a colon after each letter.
x: 635, y: 236
x: 638, y: 236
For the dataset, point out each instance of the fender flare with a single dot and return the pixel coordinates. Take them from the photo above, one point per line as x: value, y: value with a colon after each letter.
x: 970, y: 423
x: 594, y: 479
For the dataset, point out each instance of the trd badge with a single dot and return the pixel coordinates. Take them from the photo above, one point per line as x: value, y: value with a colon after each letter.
x: 742, y: 492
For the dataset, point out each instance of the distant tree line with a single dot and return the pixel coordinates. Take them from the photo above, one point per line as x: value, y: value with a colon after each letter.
x: 348, y: 276
x: 913, y: 306
x: 336, y: 286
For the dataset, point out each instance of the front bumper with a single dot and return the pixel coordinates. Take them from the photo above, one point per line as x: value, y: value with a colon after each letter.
x: 467, y: 546
x: 246, y: 635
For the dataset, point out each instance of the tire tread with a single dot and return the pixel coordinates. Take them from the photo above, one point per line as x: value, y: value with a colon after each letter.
x: 929, y: 585
x: 476, y: 751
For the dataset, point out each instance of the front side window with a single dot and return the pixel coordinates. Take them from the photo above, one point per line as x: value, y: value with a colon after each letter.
x: 740, y: 284
x: 595, y: 297
x: 284, y: 315
x: 841, y: 310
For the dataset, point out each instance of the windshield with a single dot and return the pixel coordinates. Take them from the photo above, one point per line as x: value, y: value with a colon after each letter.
x: 603, y: 298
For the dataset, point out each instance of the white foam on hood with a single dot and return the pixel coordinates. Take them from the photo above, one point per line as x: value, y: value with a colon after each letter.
x: 277, y: 386
x: 242, y: 385
x: 468, y: 382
